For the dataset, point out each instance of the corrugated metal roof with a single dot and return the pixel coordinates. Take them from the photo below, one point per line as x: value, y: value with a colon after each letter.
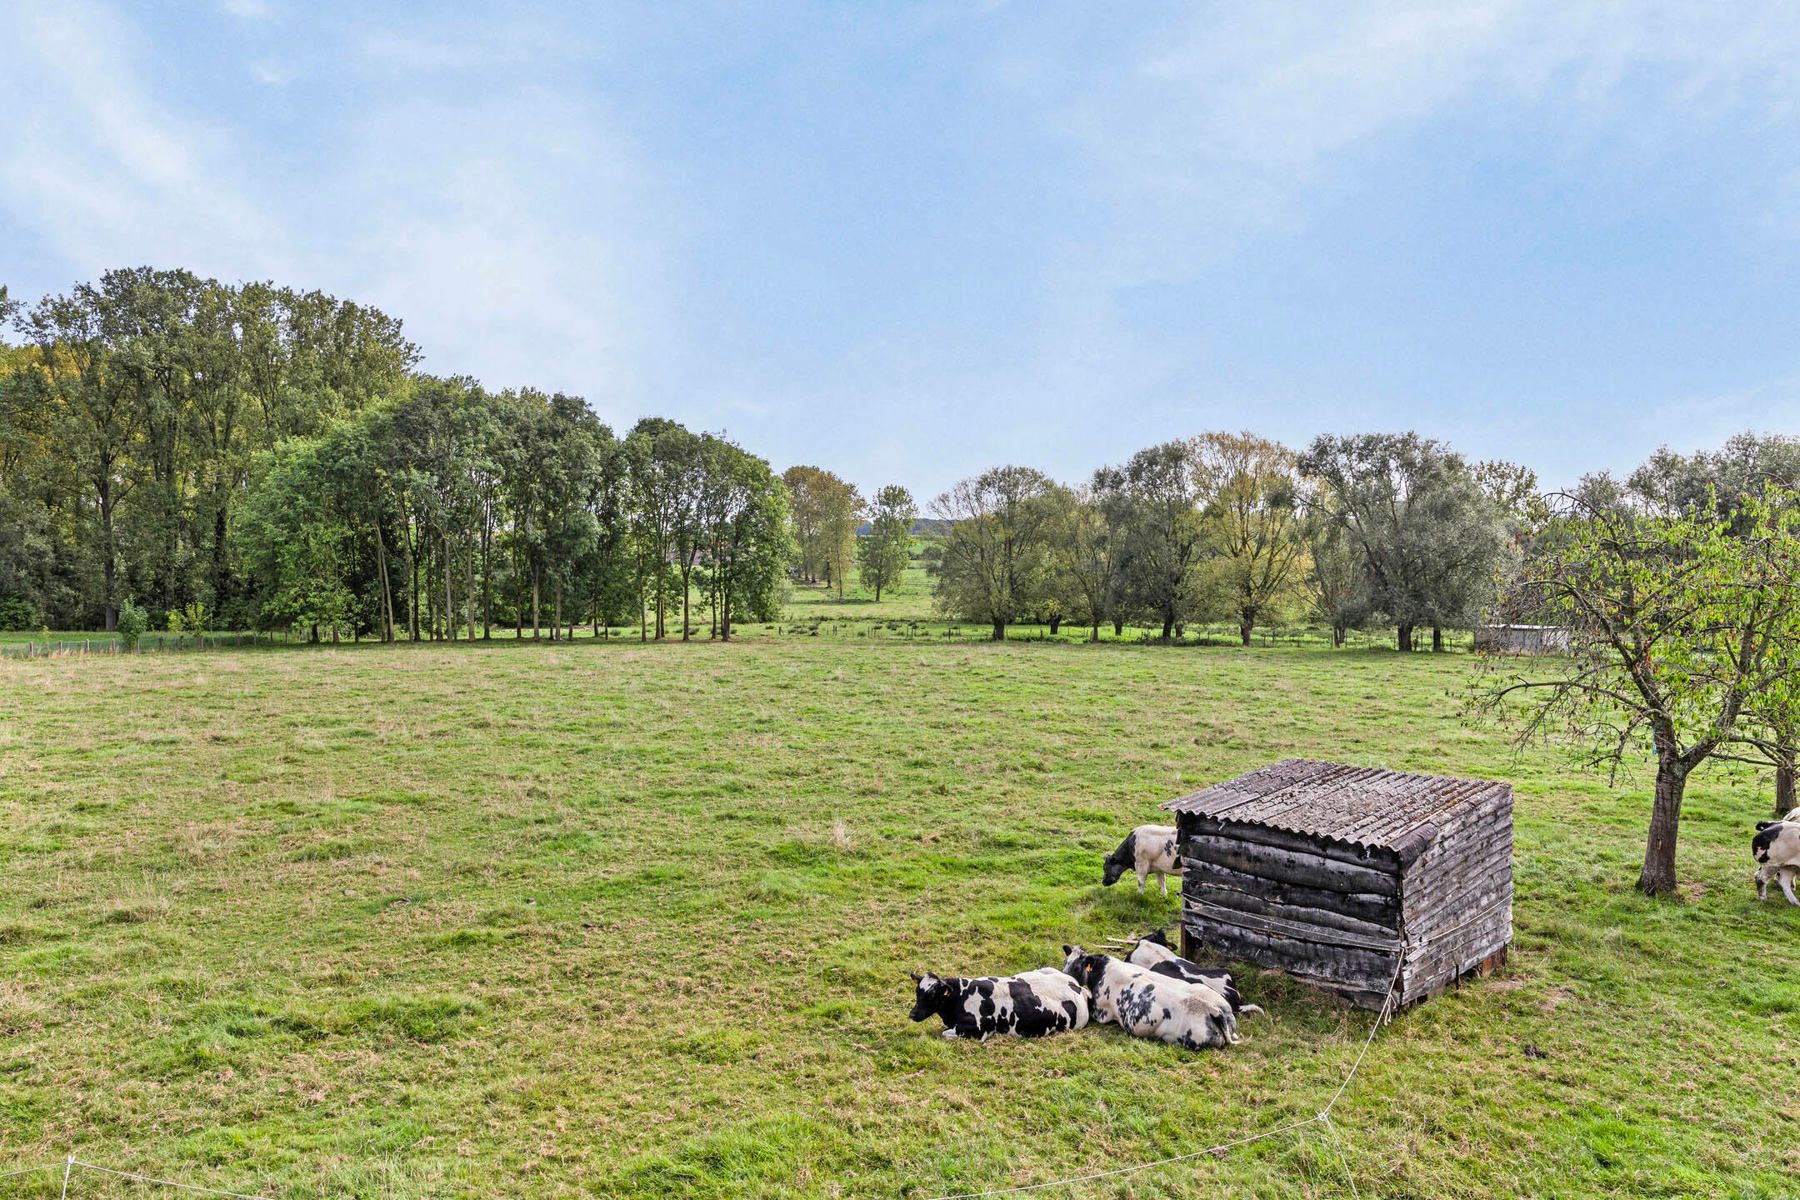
x: 1363, y: 806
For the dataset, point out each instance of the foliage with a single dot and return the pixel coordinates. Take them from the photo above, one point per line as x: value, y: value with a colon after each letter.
x: 1157, y: 498
x: 826, y: 510
x: 1684, y: 639
x: 1253, y: 522
x: 1087, y: 548
x: 883, y: 553
x: 191, y: 619
x: 993, y: 565
x: 17, y: 614
x: 1433, y: 533
x: 133, y: 623
x: 134, y: 419
x: 1719, y: 480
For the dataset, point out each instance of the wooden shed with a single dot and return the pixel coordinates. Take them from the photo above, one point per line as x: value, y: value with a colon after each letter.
x: 1339, y: 875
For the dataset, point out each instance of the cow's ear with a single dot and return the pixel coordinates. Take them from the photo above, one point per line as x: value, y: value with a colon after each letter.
x: 1068, y: 950
x: 917, y: 978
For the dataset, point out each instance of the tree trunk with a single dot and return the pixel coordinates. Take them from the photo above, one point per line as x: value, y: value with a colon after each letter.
x: 109, y: 568
x: 387, y: 592
x: 449, y: 600
x: 1095, y: 636
x: 1168, y: 624
x: 1118, y: 627
x: 536, y: 589
x: 412, y: 603
x: 556, y: 611
x: 1406, y: 637
x: 1337, y: 636
x: 1055, y: 624
x: 1658, y: 876
x: 686, y: 591
x: 1246, y: 626
x: 487, y: 580
x: 999, y: 629
x: 1784, y: 787
x: 1437, y: 639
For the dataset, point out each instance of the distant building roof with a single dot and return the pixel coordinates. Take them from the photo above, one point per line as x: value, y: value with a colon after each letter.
x: 1360, y: 806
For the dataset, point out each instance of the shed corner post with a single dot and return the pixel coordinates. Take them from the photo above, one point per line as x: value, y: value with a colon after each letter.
x: 1184, y: 831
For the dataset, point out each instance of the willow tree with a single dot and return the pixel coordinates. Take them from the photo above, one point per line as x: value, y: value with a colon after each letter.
x: 1253, y: 521
x: 994, y: 562
x: 1683, y: 633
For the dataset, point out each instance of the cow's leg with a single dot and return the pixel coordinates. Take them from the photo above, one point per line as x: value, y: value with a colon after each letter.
x: 1163, y: 875
x: 1143, y: 874
x: 1787, y: 884
x: 1762, y: 883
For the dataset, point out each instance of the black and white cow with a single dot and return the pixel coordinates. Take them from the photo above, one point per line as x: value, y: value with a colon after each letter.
x: 1776, y: 848
x: 1152, y: 951
x: 1145, y: 1004
x: 1147, y: 850
x: 1034, y: 1004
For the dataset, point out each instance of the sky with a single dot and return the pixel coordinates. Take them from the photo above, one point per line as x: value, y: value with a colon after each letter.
x: 910, y: 242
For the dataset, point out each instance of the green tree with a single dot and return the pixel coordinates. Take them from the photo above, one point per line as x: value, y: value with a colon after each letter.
x: 1253, y: 523
x: 1678, y: 627
x: 298, y: 541
x: 883, y: 553
x: 1085, y: 551
x: 1432, y: 537
x: 1721, y: 481
x: 993, y: 562
x: 1160, y: 493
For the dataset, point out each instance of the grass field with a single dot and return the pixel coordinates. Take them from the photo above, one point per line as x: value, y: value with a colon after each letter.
x: 632, y: 921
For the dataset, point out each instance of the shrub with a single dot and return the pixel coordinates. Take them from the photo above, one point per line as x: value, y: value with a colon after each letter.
x: 191, y: 619
x: 133, y: 621
x: 17, y: 614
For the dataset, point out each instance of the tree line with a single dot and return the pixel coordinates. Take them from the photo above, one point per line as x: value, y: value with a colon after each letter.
x: 1356, y: 530
x: 250, y: 456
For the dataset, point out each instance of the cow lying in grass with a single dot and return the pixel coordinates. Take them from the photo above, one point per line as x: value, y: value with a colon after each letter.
x: 1152, y: 951
x: 1145, y: 1004
x: 1147, y: 850
x: 1776, y: 848
x: 1035, y: 1004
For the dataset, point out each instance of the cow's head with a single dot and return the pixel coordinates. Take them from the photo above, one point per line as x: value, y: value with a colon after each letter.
x: 1156, y: 937
x: 928, y: 996
x: 1089, y: 970
x: 1121, y: 860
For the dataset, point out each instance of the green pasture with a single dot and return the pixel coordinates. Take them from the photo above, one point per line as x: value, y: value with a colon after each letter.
x: 618, y: 920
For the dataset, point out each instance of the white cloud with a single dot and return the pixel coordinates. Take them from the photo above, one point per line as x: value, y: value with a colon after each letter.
x: 1228, y: 123
x: 508, y: 226
x: 514, y: 235
x: 103, y: 172
x: 272, y: 74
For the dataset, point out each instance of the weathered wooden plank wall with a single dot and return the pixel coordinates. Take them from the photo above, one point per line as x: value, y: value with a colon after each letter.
x: 1341, y: 916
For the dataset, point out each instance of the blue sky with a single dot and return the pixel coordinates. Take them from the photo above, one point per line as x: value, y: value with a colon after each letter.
x: 907, y: 242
